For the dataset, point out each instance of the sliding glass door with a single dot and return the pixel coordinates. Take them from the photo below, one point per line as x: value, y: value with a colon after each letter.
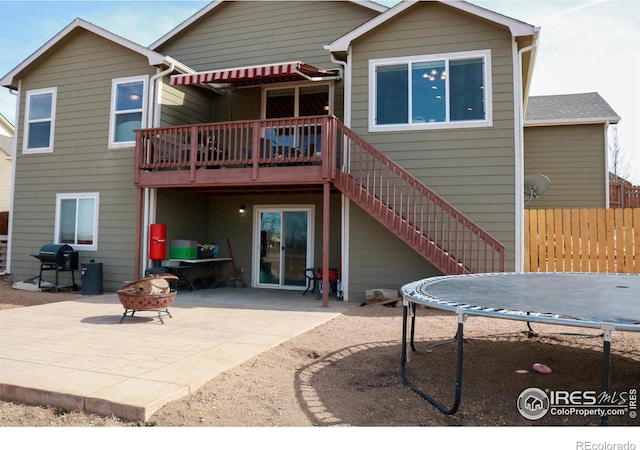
x: 283, y: 238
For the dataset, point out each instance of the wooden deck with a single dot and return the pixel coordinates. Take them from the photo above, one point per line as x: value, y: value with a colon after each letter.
x: 246, y: 154
x: 318, y: 153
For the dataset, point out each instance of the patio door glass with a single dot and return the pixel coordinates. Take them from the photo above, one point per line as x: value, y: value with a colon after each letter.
x: 284, y: 247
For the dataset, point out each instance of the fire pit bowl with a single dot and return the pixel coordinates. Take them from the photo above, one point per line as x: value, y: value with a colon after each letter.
x: 144, y: 295
x: 132, y: 300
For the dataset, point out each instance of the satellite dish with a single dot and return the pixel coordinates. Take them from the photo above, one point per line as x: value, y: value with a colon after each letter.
x: 535, y: 185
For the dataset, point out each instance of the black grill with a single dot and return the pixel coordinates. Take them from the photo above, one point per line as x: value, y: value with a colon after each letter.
x: 61, y: 254
x: 58, y: 257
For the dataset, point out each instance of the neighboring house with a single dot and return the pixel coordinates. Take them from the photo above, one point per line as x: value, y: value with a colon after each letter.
x: 622, y: 192
x: 6, y: 162
x: 565, y: 138
x: 616, y: 179
x: 395, y: 150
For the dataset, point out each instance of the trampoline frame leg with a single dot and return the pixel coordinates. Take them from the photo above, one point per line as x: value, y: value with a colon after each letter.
x: 410, y: 306
x: 403, y: 366
x: 606, y: 365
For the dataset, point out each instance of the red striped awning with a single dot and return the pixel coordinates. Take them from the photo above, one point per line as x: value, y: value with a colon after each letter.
x: 269, y: 73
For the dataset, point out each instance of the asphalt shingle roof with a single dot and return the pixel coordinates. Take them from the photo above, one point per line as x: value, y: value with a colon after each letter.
x: 587, y: 107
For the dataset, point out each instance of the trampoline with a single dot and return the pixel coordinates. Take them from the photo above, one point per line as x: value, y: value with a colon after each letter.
x: 607, y: 302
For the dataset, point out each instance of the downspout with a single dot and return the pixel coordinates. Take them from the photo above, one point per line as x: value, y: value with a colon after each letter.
x: 12, y: 188
x: 148, y: 198
x: 345, y: 75
x: 607, y: 189
x: 151, y: 103
x: 344, y: 221
x: 519, y: 160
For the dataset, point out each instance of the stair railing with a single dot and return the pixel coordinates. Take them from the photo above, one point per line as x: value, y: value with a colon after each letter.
x: 435, y: 229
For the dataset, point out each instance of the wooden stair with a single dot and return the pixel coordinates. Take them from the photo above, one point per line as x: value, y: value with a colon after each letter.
x: 418, y: 216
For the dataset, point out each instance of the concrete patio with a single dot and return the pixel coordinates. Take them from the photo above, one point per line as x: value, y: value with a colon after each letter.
x: 76, y: 355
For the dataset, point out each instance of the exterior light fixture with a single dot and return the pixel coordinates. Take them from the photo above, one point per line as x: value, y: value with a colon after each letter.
x: 241, y: 209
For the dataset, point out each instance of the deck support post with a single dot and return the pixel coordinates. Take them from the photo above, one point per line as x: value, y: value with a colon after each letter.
x: 139, y: 231
x: 326, y: 216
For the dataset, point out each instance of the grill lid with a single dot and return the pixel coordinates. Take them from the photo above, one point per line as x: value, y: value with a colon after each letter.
x: 53, y: 253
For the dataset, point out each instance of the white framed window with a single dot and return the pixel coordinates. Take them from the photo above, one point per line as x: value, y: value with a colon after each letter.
x: 451, y: 90
x: 40, y: 112
x: 128, y: 110
x: 77, y: 220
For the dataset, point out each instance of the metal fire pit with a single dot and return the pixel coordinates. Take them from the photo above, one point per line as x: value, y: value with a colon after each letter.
x: 133, y: 300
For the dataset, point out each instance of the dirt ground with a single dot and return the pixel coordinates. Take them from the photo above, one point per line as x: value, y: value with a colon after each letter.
x: 346, y: 372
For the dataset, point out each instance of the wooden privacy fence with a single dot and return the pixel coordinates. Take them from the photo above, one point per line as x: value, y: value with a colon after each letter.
x: 624, y: 196
x: 582, y: 240
x: 4, y: 222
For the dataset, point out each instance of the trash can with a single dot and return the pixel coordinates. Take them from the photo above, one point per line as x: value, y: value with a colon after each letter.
x: 91, y: 273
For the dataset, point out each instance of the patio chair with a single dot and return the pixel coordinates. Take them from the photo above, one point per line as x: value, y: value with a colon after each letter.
x: 311, y: 274
x: 335, y: 282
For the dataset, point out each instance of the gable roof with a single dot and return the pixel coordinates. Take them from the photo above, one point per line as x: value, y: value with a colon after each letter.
x: 155, y: 59
x: 516, y: 27
x: 569, y: 109
x: 613, y: 178
x: 6, y: 127
x: 213, y: 5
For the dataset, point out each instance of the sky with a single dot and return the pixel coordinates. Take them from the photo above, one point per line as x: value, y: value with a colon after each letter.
x: 585, y: 46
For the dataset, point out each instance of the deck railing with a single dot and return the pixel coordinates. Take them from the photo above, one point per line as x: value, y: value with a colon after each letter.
x: 233, y: 144
x: 427, y: 223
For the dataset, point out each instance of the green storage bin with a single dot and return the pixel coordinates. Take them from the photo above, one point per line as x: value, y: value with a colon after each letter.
x: 183, y: 249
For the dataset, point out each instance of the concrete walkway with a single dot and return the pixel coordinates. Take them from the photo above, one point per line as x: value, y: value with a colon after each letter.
x: 77, y: 356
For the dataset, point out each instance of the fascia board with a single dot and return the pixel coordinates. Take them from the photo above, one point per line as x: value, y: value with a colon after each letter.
x: 516, y: 27
x: 180, y: 67
x: 576, y: 121
x: 211, y: 6
x: 154, y: 58
x: 186, y: 23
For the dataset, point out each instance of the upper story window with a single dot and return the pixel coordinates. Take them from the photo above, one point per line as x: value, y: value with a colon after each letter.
x: 77, y: 220
x: 431, y: 91
x: 39, y: 121
x: 128, y: 100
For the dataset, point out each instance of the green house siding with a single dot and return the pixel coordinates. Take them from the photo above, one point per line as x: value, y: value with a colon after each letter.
x: 378, y: 260
x: 252, y: 33
x: 473, y: 168
x: 180, y: 105
x: 82, y: 69
x: 574, y: 159
x: 239, y: 104
x: 211, y: 218
x: 260, y: 32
